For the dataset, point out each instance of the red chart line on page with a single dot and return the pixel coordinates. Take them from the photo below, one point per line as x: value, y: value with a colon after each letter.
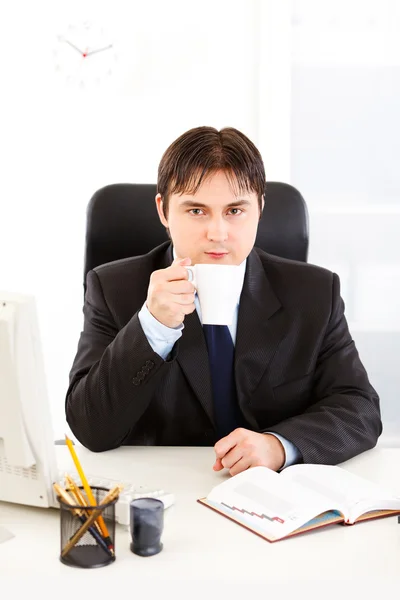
x: 253, y: 514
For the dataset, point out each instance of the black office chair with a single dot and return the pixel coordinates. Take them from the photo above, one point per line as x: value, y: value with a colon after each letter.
x: 122, y: 221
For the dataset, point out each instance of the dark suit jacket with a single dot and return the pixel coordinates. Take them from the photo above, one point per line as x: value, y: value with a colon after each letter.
x: 298, y: 372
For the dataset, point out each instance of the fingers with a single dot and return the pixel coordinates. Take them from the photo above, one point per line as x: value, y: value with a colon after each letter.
x: 167, y: 299
x: 175, y: 273
x: 181, y: 287
x: 186, y: 309
x: 183, y: 299
x: 181, y: 261
x: 218, y: 466
x: 177, y: 270
x: 170, y: 296
x: 175, y: 277
x: 225, y: 444
x: 234, y: 452
x: 242, y: 465
x: 226, y: 451
x: 171, y: 305
x: 232, y: 457
x: 235, y: 461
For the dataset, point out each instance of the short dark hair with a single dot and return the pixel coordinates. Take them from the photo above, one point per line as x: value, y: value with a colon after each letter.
x: 202, y: 151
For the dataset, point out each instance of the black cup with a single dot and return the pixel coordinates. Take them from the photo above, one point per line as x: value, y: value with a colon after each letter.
x: 146, y: 525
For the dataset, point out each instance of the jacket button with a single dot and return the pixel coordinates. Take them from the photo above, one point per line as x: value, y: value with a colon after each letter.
x: 135, y: 381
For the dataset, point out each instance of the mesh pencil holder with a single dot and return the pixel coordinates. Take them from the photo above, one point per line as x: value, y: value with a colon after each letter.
x: 87, y: 533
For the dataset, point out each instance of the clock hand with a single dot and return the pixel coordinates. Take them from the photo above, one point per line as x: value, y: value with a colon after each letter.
x: 62, y: 39
x: 99, y: 50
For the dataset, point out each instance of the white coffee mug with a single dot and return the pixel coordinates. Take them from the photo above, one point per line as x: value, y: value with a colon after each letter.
x: 218, y: 288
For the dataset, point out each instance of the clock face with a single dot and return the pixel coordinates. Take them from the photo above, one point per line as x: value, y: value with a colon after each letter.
x: 85, y: 55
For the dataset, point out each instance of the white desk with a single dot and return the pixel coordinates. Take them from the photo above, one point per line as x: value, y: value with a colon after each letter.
x: 203, y: 550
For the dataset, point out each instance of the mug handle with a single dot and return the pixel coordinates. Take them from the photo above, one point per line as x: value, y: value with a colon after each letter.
x: 191, y: 273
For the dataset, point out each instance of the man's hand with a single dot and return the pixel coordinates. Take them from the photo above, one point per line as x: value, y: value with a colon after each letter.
x: 243, y: 449
x: 170, y: 296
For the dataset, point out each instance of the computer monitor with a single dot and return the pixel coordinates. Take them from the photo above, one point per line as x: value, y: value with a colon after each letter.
x: 27, y: 455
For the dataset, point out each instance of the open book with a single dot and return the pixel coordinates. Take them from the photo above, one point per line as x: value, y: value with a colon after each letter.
x: 300, y: 498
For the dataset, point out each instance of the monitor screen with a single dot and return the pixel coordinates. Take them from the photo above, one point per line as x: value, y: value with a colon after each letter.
x: 27, y: 455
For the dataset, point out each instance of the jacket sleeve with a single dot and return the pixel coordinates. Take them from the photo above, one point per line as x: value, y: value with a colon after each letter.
x: 113, y: 376
x: 343, y: 418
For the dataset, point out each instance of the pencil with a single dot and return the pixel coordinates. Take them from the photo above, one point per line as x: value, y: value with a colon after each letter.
x: 112, y: 494
x: 88, y: 491
x: 80, y: 498
x: 80, y: 514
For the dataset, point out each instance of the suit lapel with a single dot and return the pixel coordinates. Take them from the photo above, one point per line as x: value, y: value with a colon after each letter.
x: 168, y: 257
x: 193, y: 358
x: 262, y: 324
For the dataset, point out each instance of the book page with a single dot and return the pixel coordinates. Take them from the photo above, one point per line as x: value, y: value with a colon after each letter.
x: 264, y: 500
x: 354, y: 494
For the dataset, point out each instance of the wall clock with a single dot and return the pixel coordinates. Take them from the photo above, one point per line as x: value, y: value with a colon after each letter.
x: 85, y: 55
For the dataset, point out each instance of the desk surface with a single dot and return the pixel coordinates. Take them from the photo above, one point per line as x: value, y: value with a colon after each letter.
x: 200, y: 545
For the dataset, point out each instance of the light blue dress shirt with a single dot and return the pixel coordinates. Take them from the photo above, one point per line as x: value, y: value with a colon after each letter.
x: 162, y: 339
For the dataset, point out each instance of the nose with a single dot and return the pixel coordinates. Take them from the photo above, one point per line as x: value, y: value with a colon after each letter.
x: 217, y: 230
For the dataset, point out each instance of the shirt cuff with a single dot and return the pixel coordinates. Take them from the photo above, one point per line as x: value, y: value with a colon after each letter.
x: 292, y: 453
x: 160, y: 337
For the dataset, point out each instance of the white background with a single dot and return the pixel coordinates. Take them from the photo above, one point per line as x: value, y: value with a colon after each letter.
x: 314, y: 84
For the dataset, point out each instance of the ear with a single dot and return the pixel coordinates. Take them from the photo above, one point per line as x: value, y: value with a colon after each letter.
x: 160, y: 210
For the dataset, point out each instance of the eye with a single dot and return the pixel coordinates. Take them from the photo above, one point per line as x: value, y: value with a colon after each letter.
x: 195, y: 211
x: 238, y: 211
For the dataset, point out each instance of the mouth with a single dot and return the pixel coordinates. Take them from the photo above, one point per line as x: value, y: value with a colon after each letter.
x: 217, y: 254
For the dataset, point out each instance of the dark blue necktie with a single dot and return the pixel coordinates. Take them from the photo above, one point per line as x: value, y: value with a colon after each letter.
x: 220, y: 354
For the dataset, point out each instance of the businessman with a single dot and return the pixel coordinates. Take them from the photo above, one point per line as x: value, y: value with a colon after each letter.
x: 283, y: 384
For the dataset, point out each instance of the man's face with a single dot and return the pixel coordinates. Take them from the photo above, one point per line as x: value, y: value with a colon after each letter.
x: 215, y: 225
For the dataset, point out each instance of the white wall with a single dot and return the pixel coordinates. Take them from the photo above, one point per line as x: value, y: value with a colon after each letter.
x: 345, y: 127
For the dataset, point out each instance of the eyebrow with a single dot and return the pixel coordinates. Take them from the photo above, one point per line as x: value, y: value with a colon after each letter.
x: 193, y: 204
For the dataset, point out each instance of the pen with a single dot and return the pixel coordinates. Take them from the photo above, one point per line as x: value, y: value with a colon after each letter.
x: 68, y: 500
x: 112, y: 494
x: 88, y: 491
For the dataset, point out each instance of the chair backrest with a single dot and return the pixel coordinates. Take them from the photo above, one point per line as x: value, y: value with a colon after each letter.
x: 122, y: 221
